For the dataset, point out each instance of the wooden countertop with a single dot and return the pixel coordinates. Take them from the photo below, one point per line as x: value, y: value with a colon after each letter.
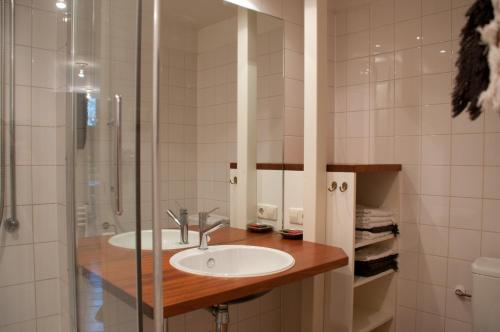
x: 350, y: 168
x: 184, y: 292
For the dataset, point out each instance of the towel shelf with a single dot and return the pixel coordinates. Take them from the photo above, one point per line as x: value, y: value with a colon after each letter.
x: 363, y: 304
x: 365, y: 243
x: 367, y: 319
x: 360, y: 281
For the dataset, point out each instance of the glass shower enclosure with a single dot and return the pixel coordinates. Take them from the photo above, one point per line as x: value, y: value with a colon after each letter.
x: 103, y: 156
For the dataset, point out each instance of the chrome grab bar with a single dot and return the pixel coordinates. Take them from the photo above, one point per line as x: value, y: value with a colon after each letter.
x: 118, y: 138
x: 12, y: 223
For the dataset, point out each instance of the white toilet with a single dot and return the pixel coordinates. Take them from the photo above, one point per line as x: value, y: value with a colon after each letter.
x: 486, y: 294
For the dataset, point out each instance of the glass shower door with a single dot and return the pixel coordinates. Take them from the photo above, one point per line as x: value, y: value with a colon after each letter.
x: 104, y: 86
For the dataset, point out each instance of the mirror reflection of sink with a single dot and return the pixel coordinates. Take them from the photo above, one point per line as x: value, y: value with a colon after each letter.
x: 170, y: 240
x: 227, y: 261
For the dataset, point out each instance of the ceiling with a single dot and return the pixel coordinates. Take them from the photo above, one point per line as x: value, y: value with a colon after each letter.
x: 199, y: 13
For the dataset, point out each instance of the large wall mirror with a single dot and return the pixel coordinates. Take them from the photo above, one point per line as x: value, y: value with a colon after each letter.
x: 199, y: 112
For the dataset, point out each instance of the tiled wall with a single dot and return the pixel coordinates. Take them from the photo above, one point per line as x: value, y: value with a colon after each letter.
x: 29, y: 260
x: 391, y: 69
x: 216, y: 113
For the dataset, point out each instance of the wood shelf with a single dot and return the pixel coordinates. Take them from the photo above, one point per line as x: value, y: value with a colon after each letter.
x: 365, y: 243
x: 360, y: 281
x: 366, y: 319
x: 349, y: 168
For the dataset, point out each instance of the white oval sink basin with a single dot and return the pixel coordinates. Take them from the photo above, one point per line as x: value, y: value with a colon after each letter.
x: 170, y: 240
x: 229, y: 261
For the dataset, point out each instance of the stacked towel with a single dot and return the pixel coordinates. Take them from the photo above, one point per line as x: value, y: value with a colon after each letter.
x: 373, y: 223
x: 374, y: 259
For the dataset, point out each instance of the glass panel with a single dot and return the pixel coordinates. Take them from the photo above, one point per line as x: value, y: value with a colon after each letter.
x: 104, y: 110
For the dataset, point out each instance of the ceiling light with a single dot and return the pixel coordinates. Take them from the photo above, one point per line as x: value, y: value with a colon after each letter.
x: 442, y: 51
x: 81, y: 72
x: 61, y: 4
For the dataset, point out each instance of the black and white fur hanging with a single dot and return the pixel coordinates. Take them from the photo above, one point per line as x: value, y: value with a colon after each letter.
x: 489, y: 100
x: 473, y: 69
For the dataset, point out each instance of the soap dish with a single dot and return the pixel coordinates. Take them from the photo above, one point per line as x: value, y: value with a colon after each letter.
x: 259, y: 228
x: 292, y: 234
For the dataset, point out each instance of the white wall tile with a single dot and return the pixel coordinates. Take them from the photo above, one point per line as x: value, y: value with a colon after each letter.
x: 407, y: 293
x: 459, y: 273
x: 491, y: 182
x: 436, y: 58
x: 458, y: 239
x: 491, y: 212
x: 467, y: 149
x: 47, y: 297
x: 436, y: 119
x: 466, y: 181
x: 466, y: 213
x: 408, y: 121
x: 490, y: 244
x: 16, y: 303
x: 381, y: 13
x: 358, y: 18
x: 430, y: 299
x: 433, y: 6
x: 407, y: 9
x: 408, y: 92
x: 436, y: 88
x: 436, y: 149
x: 382, y: 67
x: 17, y: 265
x: 429, y: 322
x: 436, y: 27
x: 45, y: 265
x: 434, y: 240
x: 44, y: 29
x: 382, y: 39
x: 435, y: 210
x: 408, y: 62
x: 432, y: 270
x: 408, y: 34
x: 436, y: 180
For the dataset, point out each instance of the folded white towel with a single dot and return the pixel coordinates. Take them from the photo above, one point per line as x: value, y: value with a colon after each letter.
x: 373, y: 212
x: 373, y: 252
x: 373, y: 220
x: 374, y: 224
x: 364, y: 235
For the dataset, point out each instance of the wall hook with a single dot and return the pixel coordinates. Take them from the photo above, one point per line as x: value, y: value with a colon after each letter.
x: 234, y: 180
x: 332, y: 187
x: 343, y: 187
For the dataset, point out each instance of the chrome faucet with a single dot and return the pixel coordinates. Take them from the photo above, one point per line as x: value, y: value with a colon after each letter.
x: 182, y: 222
x: 205, y: 231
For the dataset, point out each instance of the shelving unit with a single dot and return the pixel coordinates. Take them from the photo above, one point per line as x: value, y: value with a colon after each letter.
x: 360, y: 281
x: 367, y: 319
x: 365, y: 243
x: 360, y: 304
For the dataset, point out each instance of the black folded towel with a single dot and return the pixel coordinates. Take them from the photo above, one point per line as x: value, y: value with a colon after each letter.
x: 376, y: 266
x: 389, y: 228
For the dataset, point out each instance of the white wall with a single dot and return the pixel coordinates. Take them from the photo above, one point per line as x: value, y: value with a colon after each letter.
x: 30, y: 270
x: 391, y: 66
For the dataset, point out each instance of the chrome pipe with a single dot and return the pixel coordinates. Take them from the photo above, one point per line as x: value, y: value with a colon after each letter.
x: 157, y: 250
x: 2, y: 110
x: 118, y: 138
x: 12, y: 223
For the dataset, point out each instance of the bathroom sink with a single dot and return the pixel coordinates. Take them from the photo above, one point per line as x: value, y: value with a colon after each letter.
x: 229, y: 261
x: 170, y: 240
